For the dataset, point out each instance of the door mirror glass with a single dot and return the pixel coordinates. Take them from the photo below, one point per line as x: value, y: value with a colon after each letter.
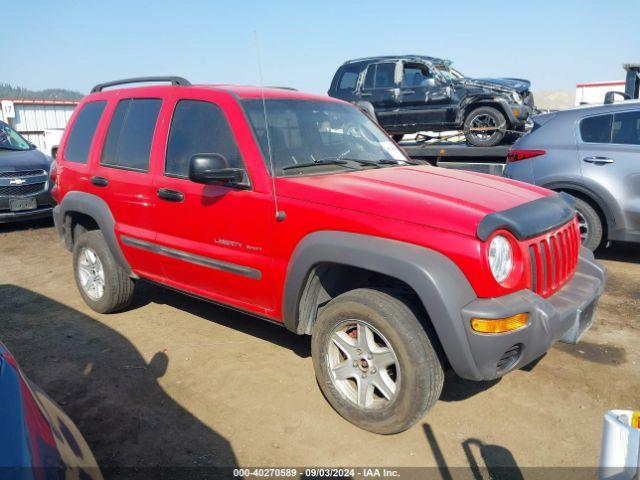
x: 212, y: 168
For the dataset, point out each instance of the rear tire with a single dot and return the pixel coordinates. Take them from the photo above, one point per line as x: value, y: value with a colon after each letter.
x: 103, y: 284
x: 485, y: 117
x: 591, y: 230
x: 396, y: 356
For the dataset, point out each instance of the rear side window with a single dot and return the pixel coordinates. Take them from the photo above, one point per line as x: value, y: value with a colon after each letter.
x: 81, y: 135
x: 130, y: 134
x: 199, y: 127
x: 385, y: 75
x: 596, y: 129
x: 626, y: 128
x: 380, y: 75
x: 349, y: 79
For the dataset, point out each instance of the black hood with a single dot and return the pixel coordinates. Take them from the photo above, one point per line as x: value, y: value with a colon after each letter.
x: 520, y: 85
x: 13, y: 160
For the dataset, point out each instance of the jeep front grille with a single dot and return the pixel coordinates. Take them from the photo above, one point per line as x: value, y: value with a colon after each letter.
x: 21, y: 190
x: 553, y: 258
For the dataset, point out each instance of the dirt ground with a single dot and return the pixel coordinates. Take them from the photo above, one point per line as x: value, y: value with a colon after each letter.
x: 176, y: 381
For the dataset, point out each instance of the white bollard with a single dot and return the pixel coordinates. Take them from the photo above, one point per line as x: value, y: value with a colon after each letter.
x: 620, y: 451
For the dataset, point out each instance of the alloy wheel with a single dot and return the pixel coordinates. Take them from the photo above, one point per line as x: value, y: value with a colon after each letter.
x: 362, y: 364
x: 483, y: 126
x: 584, y: 227
x: 91, y: 274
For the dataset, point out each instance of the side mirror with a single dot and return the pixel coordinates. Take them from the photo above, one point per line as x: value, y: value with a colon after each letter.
x: 211, y: 168
x: 610, y: 97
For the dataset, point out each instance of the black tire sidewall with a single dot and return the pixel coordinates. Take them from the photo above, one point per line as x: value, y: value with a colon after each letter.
x: 421, y: 374
x: 596, y: 233
x: 496, y: 137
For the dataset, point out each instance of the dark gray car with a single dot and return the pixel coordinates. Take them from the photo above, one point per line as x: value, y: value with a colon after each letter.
x: 592, y: 153
x: 25, y: 186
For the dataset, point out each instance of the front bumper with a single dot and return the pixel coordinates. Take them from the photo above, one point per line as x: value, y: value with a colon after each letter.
x: 564, y: 316
x: 40, y: 212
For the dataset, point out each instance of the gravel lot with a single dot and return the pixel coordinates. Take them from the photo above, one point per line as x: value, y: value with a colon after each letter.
x: 176, y: 381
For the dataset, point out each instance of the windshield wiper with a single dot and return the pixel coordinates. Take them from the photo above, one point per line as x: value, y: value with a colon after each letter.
x: 4, y: 147
x: 384, y: 161
x: 332, y: 161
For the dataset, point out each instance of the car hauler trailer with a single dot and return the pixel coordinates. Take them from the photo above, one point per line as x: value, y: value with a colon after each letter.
x: 459, y: 155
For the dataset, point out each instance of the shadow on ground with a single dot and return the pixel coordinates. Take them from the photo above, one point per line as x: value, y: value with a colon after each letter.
x: 257, y: 327
x: 620, y: 252
x: 108, y: 389
x: 26, y: 225
x: 485, y: 460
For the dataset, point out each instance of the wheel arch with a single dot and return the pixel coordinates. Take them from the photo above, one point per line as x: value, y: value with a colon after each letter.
x: 323, y: 261
x: 80, y: 211
x: 471, y: 103
x: 580, y: 191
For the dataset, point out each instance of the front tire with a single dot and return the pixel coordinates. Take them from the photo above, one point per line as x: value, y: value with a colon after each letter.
x: 374, y: 361
x: 478, y: 127
x: 103, y: 284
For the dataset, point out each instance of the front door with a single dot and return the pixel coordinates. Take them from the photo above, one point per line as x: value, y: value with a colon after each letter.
x: 424, y: 99
x: 609, y: 154
x: 213, y: 238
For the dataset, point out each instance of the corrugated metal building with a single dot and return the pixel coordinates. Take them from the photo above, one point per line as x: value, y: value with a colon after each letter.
x: 40, y: 121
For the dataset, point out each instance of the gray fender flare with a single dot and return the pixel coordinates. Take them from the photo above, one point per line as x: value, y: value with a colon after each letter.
x: 96, y: 208
x: 439, y: 283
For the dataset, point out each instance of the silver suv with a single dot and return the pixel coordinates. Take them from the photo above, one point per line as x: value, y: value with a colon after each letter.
x: 592, y: 153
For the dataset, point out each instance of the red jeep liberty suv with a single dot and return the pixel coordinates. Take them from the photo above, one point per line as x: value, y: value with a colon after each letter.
x: 299, y: 209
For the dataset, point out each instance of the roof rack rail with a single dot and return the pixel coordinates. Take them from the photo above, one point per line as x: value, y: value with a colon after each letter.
x: 178, y: 81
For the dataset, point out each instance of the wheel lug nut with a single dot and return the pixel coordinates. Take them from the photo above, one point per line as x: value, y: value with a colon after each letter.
x: 355, y: 363
x: 374, y: 370
x: 358, y: 351
x: 364, y: 375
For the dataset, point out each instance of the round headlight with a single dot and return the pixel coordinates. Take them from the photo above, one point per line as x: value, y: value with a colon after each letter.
x: 516, y: 97
x: 500, y: 258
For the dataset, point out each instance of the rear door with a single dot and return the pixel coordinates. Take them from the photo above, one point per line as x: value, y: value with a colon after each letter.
x: 381, y: 87
x: 214, y: 238
x: 423, y: 98
x: 121, y: 177
x: 609, y: 154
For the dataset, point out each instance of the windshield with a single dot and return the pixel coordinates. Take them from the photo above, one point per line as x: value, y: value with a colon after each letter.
x: 12, y: 140
x: 449, y: 73
x: 308, y: 136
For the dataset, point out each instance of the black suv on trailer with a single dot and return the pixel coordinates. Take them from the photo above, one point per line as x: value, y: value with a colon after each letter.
x: 25, y: 183
x: 414, y: 93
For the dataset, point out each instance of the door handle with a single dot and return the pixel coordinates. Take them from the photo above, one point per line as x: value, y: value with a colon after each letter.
x: 170, y: 195
x: 99, y: 181
x: 365, y: 94
x: 598, y: 160
x: 408, y: 91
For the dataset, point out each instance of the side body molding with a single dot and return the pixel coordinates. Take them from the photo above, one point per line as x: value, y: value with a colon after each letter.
x: 441, y: 286
x: 96, y: 208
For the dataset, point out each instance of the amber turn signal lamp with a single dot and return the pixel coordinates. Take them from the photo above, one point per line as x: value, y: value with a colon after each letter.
x: 499, y: 325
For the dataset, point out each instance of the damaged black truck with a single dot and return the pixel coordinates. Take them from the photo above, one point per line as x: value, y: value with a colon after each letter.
x: 414, y: 93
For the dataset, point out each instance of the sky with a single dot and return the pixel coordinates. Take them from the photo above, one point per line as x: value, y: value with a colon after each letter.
x: 76, y: 44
